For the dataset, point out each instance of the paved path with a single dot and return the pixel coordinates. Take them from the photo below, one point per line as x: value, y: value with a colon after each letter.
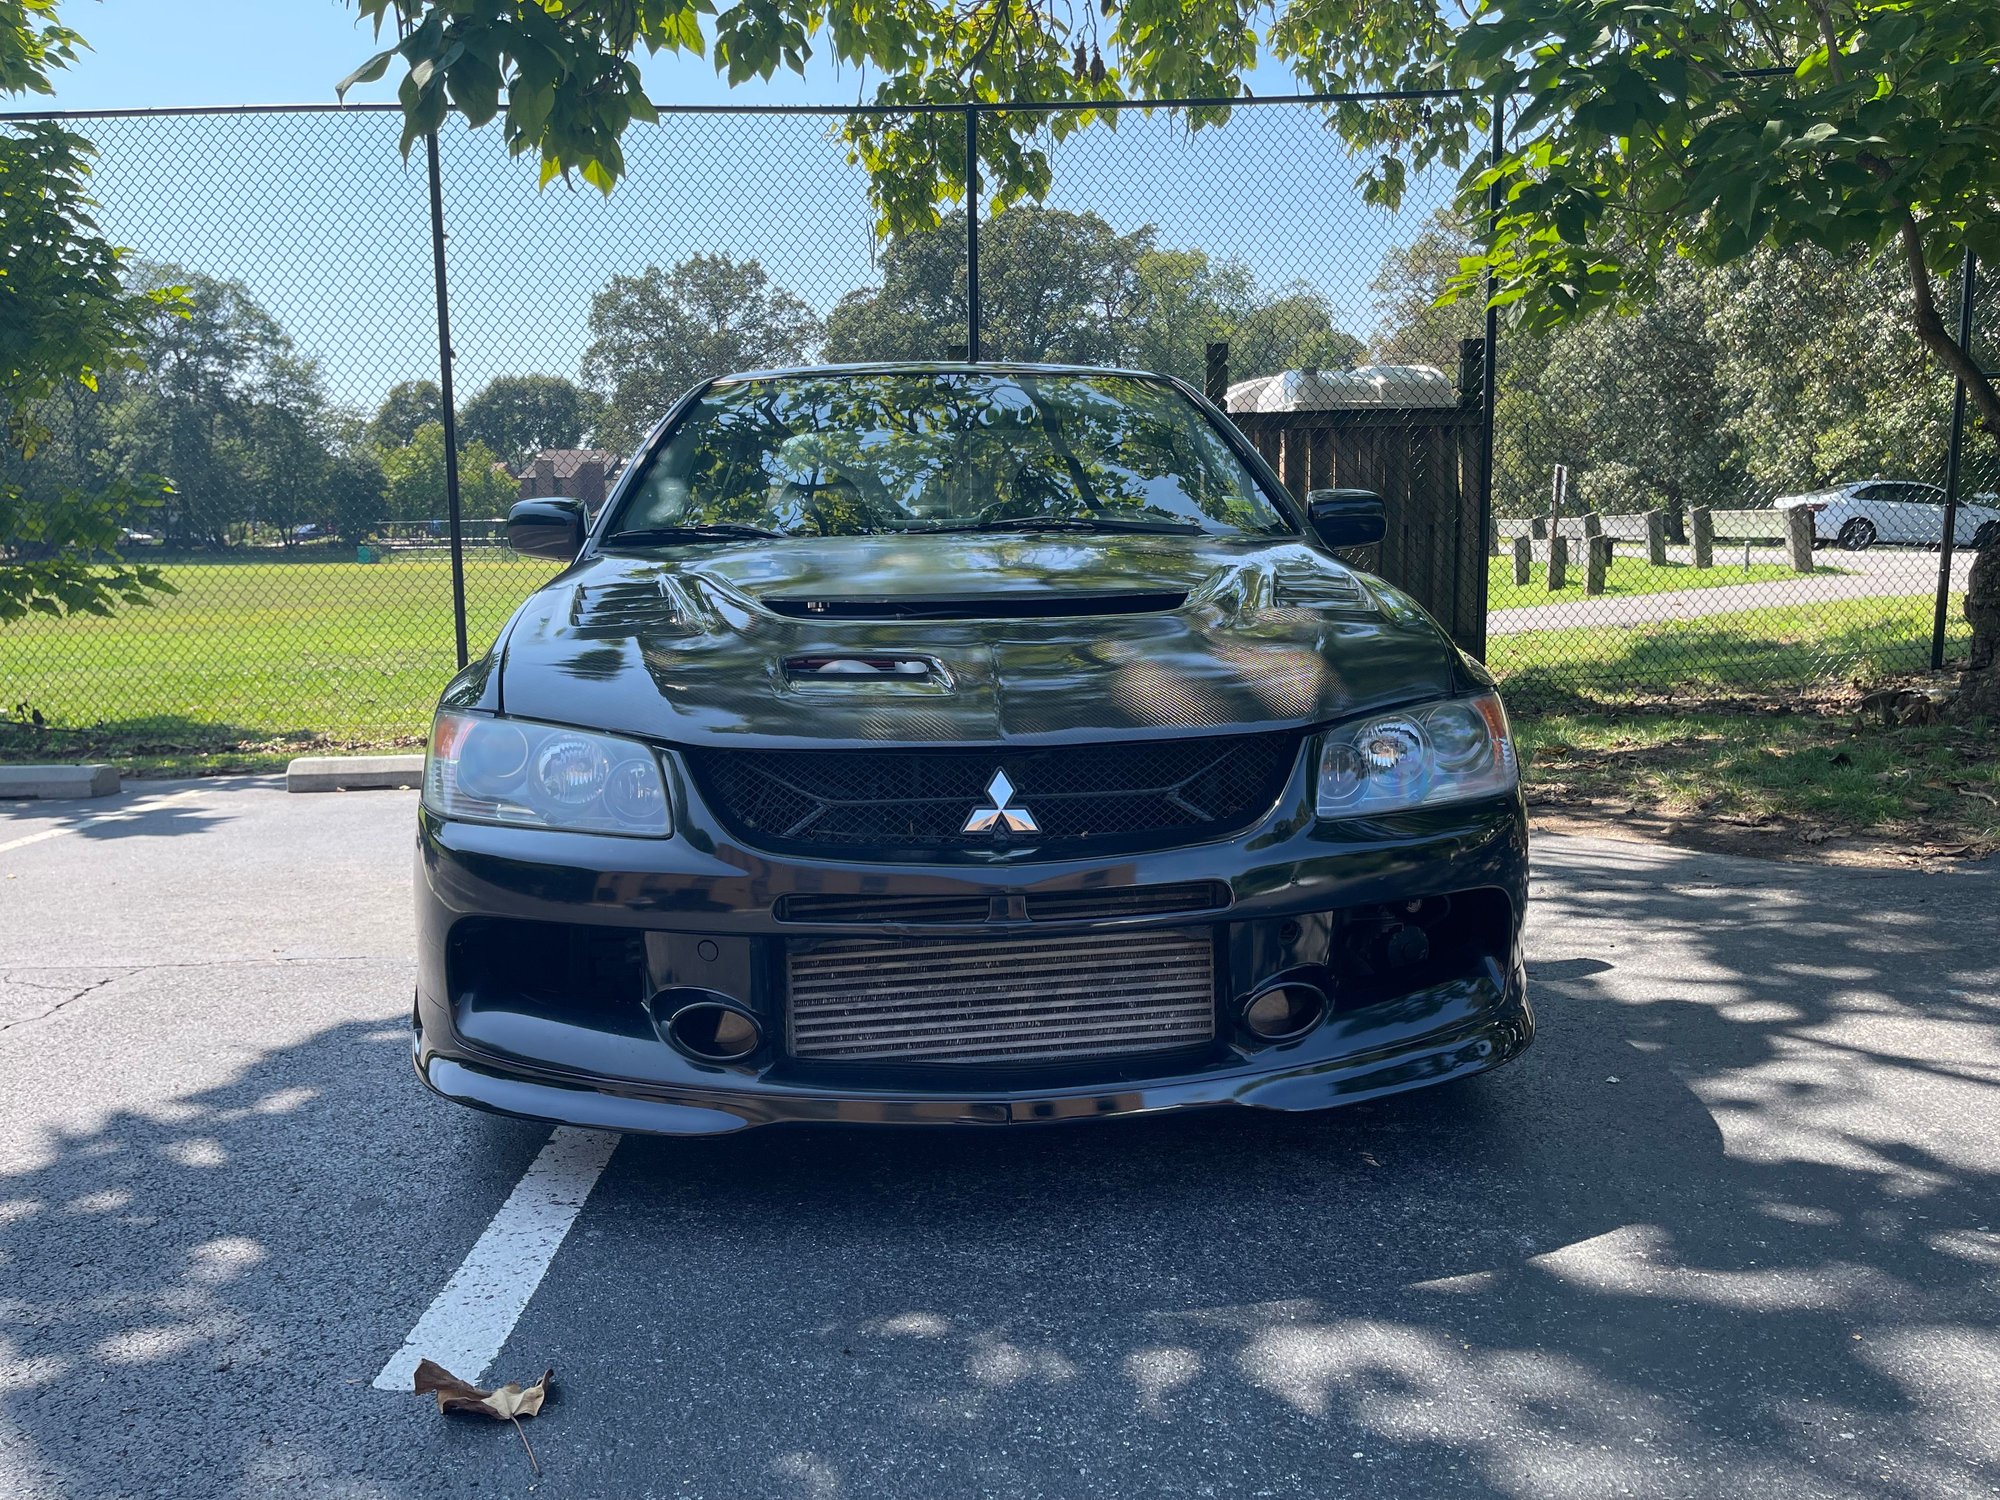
x: 1730, y: 1228
x: 1880, y: 572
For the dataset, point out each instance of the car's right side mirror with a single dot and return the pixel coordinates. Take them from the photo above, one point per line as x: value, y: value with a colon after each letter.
x: 1346, y: 518
x: 547, y: 528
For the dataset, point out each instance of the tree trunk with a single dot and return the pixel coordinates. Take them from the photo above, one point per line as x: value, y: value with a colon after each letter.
x: 1979, y: 689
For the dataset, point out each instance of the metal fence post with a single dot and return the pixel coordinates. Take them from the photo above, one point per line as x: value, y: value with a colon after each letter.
x: 972, y: 232
x: 445, y: 399
x: 1954, y: 451
x: 1488, y: 376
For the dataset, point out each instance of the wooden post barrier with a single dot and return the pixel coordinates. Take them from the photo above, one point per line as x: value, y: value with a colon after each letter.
x: 1656, y: 538
x: 1558, y: 561
x: 1701, y: 529
x: 1595, y: 564
x: 1799, y: 538
x: 1524, y: 560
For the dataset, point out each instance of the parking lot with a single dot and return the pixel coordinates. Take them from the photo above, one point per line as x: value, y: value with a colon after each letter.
x: 1731, y: 1227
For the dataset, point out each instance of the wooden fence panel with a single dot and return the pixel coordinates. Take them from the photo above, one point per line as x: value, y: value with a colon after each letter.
x: 1424, y: 462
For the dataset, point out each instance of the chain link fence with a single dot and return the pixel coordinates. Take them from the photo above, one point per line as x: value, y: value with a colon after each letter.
x: 1633, y: 548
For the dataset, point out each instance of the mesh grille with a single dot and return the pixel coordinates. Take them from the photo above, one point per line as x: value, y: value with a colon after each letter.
x: 1001, y: 1001
x: 1081, y: 796
x: 1035, y: 906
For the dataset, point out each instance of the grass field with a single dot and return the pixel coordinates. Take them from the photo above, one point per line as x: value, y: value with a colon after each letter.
x: 1626, y: 577
x: 254, y: 660
x: 1742, y: 651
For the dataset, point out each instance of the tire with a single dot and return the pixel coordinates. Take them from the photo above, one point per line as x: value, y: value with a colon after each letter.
x: 1987, y: 536
x: 1856, y: 535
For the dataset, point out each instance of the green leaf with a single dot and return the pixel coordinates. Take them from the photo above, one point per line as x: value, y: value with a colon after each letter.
x: 368, y: 72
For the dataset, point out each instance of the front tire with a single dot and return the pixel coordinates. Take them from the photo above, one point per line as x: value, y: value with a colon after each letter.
x: 1857, y: 535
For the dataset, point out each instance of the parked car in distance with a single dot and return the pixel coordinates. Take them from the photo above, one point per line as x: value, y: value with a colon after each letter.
x: 1862, y: 512
x: 961, y: 744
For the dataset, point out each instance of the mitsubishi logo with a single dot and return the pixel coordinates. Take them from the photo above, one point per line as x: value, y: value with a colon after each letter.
x: 997, y: 815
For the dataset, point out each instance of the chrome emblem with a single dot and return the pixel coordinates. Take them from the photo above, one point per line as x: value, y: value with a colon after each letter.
x: 997, y: 814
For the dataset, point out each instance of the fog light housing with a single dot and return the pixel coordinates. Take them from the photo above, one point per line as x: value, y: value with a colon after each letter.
x: 1284, y: 1010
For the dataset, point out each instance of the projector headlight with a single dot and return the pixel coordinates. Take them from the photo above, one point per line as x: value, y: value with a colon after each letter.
x: 1451, y: 751
x: 490, y: 770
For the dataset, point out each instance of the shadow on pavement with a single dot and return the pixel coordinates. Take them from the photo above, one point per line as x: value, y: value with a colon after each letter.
x: 1728, y: 1229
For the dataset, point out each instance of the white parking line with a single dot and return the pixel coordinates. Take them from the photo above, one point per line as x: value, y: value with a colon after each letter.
x: 123, y: 814
x: 464, y: 1329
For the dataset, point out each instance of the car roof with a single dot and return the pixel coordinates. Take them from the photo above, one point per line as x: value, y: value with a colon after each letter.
x: 934, y: 367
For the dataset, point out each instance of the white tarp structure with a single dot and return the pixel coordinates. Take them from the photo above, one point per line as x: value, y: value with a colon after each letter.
x: 1330, y: 390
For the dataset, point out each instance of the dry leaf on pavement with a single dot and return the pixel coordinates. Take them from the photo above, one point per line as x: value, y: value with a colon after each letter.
x: 509, y: 1403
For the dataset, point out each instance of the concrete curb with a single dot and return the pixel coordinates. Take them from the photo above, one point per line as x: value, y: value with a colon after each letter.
x: 353, y: 773
x: 58, y: 781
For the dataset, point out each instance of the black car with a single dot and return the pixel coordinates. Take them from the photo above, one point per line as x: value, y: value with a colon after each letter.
x: 958, y: 743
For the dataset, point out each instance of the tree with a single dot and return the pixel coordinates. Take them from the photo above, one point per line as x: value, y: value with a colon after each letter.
x: 1421, y: 320
x: 66, y: 322
x: 654, y: 335
x: 517, y: 416
x: 1053, y: 285
x: 413, y: 479
x: 187, y: 409
x: 409, y: 404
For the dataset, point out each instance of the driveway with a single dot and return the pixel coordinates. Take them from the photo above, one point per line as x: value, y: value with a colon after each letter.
x: 1731, y: 1227
x: 1878, y: 573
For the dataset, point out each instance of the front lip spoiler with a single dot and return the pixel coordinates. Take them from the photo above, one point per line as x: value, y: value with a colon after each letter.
x: 1486, y: 1041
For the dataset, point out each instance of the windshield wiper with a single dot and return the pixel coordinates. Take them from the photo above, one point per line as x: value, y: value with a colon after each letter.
x: 1067, y: 523
x: 718, y: 531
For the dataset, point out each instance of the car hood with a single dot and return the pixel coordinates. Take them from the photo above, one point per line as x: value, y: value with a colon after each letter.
x: 1017, y: 639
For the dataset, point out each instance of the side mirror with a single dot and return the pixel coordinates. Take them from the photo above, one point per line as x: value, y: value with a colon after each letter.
x: 1346, y: 518
x: 546, y: 528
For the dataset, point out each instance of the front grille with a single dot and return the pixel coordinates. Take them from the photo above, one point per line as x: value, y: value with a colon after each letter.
x: 1035, y: 906
x: 881, y: 803
x: 1009, y: 1000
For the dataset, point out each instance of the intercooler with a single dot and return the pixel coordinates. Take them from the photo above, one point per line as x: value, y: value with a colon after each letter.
x: 1000, y: 1000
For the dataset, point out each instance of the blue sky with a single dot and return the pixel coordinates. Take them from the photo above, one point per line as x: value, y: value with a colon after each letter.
x: 327, y: 227
x: 178, y: 53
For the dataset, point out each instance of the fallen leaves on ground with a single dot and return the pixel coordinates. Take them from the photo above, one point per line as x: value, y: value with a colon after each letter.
x: 509, y: 1403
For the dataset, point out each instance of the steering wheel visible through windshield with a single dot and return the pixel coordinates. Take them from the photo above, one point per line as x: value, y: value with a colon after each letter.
x: 843, y: 454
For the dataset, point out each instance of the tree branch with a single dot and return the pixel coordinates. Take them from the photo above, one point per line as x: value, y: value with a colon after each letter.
x: 1937, y: 338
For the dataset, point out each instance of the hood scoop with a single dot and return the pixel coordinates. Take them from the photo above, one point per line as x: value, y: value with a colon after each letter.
x: 1050, y: 605
x: 840, y: 672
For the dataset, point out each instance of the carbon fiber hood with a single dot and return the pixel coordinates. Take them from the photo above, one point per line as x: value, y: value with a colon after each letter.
x: 715, y: 644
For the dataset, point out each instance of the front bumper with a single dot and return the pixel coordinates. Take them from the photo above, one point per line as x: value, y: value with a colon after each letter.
x: 700, y: 899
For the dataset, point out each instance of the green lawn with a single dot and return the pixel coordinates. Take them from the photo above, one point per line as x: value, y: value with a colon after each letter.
x: 1743, y: 652
x: 1625, y: 577
x: 254, y: 660
x: 1775, y: 780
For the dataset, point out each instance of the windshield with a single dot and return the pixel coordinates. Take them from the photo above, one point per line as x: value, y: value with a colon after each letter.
x: 846, y: 454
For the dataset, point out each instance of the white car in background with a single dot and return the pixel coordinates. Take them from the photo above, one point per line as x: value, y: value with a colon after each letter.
x: 1863, y: 512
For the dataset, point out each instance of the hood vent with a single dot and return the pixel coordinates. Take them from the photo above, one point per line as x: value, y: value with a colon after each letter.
x: 1313, y: 588
x: 621, y: 607
x: 1050, y: 605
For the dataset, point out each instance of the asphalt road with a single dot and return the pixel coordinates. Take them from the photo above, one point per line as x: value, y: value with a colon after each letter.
x: 1732, y: 1227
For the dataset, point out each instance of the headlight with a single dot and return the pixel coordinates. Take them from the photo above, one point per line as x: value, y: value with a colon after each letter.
x: 539, y: 776
x: 1442, y: 752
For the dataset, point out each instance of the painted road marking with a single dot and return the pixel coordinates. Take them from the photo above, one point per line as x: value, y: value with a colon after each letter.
x: 120, y: 815
x: 464, y: 1329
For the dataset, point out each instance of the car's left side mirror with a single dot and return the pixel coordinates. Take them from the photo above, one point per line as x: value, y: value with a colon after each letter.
x: 547, y: 528
x: 1346, y: 518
